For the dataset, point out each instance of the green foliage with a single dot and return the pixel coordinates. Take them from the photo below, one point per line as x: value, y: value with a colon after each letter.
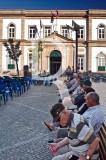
x: 13, y: 49
x: 40, y: 46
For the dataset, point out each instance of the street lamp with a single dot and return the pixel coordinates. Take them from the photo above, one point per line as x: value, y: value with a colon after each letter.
x: 75, y: 28
x: 40, y: 49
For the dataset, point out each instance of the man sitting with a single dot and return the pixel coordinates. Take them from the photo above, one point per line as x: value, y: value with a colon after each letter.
x: 94, y: 114
x: 81, y: 140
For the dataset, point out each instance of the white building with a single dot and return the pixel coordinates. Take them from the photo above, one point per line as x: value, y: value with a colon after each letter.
x: 58, y: 43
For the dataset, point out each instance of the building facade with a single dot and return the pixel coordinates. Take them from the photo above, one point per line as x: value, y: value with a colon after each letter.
x: 57, y: 42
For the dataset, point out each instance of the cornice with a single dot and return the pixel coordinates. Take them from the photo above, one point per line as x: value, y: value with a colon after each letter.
x: 43, y: 13
x: 11, y: 12
x: 96, y: 13
x: 47, y: 13
x: 97, y: 43
x: 15, y: 40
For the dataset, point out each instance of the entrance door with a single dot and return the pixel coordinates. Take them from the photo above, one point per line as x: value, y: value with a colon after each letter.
x: 55, y: 61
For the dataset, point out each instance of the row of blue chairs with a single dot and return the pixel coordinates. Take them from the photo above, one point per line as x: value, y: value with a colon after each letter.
x: 98, y: 78
x: 9, y: 85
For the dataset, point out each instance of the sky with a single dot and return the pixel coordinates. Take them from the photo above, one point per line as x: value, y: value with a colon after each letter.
x: 53, y: 4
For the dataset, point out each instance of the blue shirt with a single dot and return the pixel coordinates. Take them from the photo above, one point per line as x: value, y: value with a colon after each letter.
x: 95, y: 117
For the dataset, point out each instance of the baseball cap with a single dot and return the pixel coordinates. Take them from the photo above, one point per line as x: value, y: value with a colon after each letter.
x: 56, y: 110
x: 87, y: 83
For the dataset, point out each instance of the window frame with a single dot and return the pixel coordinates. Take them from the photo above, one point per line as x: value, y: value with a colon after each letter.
x: 81, y: 64
x: 8, y: 31
x: 80, y: 34
x: 65, y: 28
x: 100, y: 28
x: 31, y: 33
x: 44, y: 30
x: 101, y: 61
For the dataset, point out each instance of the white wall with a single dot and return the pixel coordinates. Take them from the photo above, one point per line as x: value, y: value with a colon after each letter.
x: 60, y: 22
x: 17, y: 23
x: 4, y: 58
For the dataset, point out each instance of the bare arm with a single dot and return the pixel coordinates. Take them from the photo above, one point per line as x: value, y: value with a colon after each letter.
x: 92, y: 148
x: 53, y: 147
x: 64, y: 142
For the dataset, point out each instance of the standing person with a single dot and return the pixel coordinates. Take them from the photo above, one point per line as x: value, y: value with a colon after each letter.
x: 81, y: 141
x: 69, y: 73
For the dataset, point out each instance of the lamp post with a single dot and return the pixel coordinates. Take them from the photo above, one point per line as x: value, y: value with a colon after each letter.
x: 75, y: 28
x: 13, y: 51
x: 40, y: 49
x: 73, y: 57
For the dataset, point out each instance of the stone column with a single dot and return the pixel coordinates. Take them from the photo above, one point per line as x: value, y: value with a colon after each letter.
x: 22, y: 43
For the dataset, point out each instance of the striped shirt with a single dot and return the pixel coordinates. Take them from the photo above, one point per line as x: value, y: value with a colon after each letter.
x: 80, y: 136
x: 79, y: 132
x: 94, y: 116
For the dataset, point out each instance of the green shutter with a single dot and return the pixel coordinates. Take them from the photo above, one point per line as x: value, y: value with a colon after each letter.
x: 101, y: 68
x: 55, y: 54
x: 11, y: 66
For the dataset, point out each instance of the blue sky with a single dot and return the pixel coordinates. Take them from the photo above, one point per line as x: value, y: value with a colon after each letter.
x: 53, y: 4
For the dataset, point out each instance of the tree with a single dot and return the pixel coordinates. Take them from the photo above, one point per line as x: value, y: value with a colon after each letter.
x: 13, y: 51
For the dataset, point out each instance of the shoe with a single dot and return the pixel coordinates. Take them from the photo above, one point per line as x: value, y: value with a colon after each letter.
x: 51, y: 141
x: 48, y: 125
x: 60, y: 100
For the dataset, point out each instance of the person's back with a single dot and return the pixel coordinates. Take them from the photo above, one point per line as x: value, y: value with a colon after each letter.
x: 94, y: 114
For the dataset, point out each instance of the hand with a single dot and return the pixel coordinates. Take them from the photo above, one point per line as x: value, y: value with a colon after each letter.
x: 82, y: 158
x: 53, y: 147
x: 66, y: 99
x: 76, y: 111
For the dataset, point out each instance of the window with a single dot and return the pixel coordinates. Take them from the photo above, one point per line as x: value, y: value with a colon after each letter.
x: 47, y: 31
x: 81, y: 62
x: 11, y: 31
x: 81, y: 33
x: 10, y: 61
x: 101, y: 61
x: 30, y: 60
x: 65, y: 32
x: 101, y: 31
x: 32, y: 31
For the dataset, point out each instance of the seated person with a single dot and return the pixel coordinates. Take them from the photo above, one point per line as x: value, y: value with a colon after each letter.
x: 73, y: 91
x: 84, y: 106
x: 81, y: 110
x: 94, y: 114
x: 76, y: 143
x: 80, y: 94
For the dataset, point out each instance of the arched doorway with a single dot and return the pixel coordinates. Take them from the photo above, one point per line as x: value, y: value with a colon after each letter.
x: 55, y: 61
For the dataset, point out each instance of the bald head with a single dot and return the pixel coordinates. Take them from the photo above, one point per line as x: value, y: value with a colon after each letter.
x: 92, y: 99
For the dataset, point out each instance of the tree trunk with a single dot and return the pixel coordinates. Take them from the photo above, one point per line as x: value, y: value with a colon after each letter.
x: 17, y: 68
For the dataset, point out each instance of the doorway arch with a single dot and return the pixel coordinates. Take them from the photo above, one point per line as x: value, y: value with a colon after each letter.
x: 55, y: 61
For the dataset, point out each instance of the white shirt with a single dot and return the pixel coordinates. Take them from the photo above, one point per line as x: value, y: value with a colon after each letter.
x: 95, y: 116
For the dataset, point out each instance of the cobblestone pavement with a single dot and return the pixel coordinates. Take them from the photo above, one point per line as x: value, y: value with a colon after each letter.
x: 23, y: 136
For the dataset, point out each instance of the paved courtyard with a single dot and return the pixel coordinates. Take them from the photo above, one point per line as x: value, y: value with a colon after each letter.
x: 23, y: 136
